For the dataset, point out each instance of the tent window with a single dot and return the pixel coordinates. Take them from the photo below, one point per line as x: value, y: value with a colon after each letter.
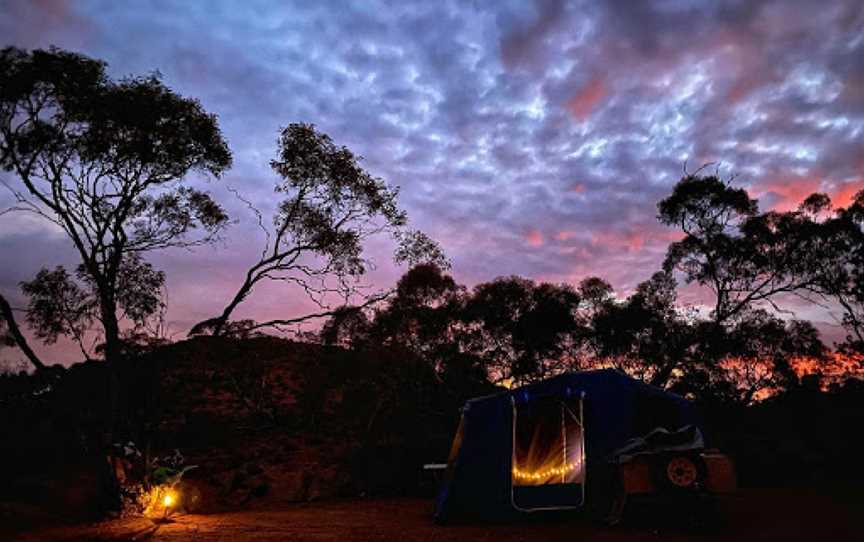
x: 547, y: 444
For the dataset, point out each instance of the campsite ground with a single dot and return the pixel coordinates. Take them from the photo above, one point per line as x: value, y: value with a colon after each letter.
x: 756, y: 514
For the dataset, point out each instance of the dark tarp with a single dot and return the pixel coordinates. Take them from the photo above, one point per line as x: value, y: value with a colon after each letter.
x: 479, y: 484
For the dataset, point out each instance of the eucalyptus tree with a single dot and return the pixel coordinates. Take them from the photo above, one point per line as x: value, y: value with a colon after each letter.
x: 746, y: 258
x: 647, y: 333
x: 836, y: 262
x: 329, y: 207
x: 522, y: 330
x: 106, y: 161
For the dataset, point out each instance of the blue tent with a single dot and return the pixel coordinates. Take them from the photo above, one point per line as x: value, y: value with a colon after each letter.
x: 547, y: 446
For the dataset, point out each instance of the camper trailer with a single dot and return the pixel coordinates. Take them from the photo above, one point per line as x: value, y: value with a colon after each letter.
x: 586, y: 442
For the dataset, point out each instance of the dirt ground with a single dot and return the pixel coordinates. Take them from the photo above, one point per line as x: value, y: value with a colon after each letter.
x: 758, y: 515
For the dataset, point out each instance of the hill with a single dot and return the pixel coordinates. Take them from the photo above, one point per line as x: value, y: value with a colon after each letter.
x: 261, y: 418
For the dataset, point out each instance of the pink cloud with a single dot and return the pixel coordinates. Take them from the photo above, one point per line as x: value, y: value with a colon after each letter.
x: 534, y: 238
x: 564, y: 235
x: 635, y: 238
x: 42, y: 22
x: 743, y: 87
x: 630, y: 240
x: 786, y: 191
x: 583, y: 103
x: 843, y: 194
x: 579, y: 188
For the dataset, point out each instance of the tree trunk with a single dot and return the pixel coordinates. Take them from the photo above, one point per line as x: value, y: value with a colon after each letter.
x: 20, y: 340
x: 108, y: 313
x: 113, y: 362
x: 217, y: 324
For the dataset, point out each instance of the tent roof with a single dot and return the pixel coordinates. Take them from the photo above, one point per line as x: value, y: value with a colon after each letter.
x: 567, y: 384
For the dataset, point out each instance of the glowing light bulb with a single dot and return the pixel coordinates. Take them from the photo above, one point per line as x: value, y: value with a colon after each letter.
x: 168, y: 500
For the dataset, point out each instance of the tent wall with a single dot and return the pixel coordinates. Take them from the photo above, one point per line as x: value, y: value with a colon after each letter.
x: 479, y: 484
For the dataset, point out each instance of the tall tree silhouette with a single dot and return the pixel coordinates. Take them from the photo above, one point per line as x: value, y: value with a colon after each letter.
x: 523, y: 330
x: 330, y: 206
x: 105, y: 161
x: 836, y: 260
x: 745, y: 258
x: 646, y: 333
x: 423, y: 316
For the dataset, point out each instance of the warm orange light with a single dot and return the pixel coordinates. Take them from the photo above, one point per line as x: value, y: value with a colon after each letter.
x: 544, y: 474
x: 168, y: 500
x: 836, y: 368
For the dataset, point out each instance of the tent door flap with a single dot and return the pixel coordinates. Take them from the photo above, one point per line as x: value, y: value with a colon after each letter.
x: 548, y: 455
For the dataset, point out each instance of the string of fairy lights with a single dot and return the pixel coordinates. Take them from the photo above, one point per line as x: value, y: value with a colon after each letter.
x: 544, y: 474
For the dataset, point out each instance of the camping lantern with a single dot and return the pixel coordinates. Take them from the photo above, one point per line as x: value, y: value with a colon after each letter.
x: 168, y: 500
x: 160, y: 501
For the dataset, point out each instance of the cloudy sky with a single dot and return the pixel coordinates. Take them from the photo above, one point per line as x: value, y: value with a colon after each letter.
x: 529, y: 138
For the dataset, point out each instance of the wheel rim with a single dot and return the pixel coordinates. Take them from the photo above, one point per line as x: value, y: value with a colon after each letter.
x: 681, y: 471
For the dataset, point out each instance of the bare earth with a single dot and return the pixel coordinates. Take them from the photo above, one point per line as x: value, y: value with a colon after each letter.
x: 751, y: 515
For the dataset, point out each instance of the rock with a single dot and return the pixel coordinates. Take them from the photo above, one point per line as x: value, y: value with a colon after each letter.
x: 197, y: 496
x: 241, y: 485
x: 327, y: 484
x: 291, y: 486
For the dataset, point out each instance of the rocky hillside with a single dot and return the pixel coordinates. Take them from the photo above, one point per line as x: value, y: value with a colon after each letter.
x: 261, y: 418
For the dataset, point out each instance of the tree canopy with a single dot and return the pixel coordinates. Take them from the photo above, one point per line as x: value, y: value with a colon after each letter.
x: 329, y: 207
x: 105, y: 160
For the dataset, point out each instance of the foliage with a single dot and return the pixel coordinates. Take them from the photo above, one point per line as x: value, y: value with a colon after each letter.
x: 104, y: 160
x: 750, y: 259
x: 330, y: 207
x: 595, y: 293
x: 422, y: 313
x: 515, y: 330
x: 58, y: 306
x: 255, y: 393
x: 146, y: 481
x: 836, y: 261
x: 347, y: 326
x: 741, y: 256
x: 645, y: 333
x: 62, y: 305
x: 507, y: 329
x: 137, y: 342
x: 523, y: 330
x: 163, y: 476
x: 168, y: 469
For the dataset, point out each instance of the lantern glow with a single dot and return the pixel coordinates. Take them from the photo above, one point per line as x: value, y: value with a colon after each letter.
x: 543, y: 474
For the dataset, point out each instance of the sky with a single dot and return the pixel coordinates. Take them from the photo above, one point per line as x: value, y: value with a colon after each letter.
x: 529, y: 138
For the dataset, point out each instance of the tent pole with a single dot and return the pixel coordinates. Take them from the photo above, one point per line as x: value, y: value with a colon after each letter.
x: 564, y: 439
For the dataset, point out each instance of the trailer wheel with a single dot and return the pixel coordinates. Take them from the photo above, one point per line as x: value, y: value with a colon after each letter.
x: 681, y: 472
